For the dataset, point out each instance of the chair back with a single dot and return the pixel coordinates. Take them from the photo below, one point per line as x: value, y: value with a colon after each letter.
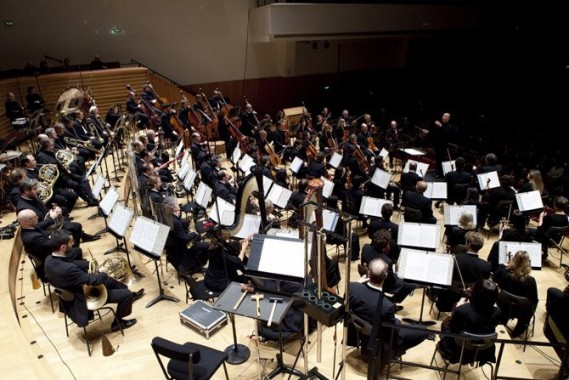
x: 515, y: 304
x: 412, y: 215
x: 36, y: 264
x: 504, y: 208
x: 556, y: 233
x: 475, y: 343
x: 363, y: 326
x: 64, y: 294
x: 174, y: 351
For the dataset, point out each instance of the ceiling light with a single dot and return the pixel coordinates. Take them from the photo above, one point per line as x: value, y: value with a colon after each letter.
x: 116, y: 30
x: 9, y: 23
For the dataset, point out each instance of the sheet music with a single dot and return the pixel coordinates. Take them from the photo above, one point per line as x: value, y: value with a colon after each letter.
x: 436, y: 190
x: 236, y: 155
x: 109, y: 200
x: 381, y: 178
x: 488, y: 180
x: 335, y: 160
x: 296, y: 164
x: 384, y: 153
x: 246, y: 164
x: 251, y: 224
x: 422, y: 168
x: 329, y: 219
x: 183, y: 171
x: 149, y: 235
x: 285, y: 257
x: 279, y: 195
x: 186, y: 158
x: 530, y: 200
x: 413, y: 152
x: 372, y: 206
x: 448, y: 166
x: 189, y: 179
x: 179, y: 148
x: 425, y: 266
x: 93, y: 166
x: 289, y: 233
x: 452, y: 214
x: 267, y: 183
x: 226, y: 210
x: 419, y: 235
x: 203, y: 194
x: 120, y: 219
x: 507, y: 250
x: 98, y: 186
x: 328, y: 187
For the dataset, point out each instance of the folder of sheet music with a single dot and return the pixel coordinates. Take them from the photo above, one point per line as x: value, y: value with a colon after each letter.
x: 109, y: 200
x: 120, y: 219
x: 149, y: 236
x: 425, y: 267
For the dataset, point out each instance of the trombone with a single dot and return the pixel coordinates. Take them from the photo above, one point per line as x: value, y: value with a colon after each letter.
x: 86, y: 144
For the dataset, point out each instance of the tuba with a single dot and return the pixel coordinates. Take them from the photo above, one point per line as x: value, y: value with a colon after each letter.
x: 95, y: 295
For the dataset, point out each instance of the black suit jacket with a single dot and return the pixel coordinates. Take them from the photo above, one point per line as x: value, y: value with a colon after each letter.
x: 420, y: 202
x: 225, y: 191
x: 37, y: 206
x: 472, y: 268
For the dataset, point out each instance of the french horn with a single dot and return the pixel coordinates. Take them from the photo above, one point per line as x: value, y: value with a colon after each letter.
x: 64, y: 157
x: 48, y: 174
x: 95, y: 295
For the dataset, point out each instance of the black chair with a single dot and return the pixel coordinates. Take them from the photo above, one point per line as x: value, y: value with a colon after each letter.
x: 197, y: 290
x: 38, y: 269
x: 554, y: 334
x: 470, y: 347
x: 555, y: 236
x: 513, y: 307
x: 362, y: 327
x: 412, y: 215
x: 189, y: 360
x: 66, y: 296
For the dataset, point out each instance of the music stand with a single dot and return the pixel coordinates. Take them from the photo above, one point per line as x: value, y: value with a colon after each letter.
x: 149, y: 238
x: 106, y: 206
x: 425, y: 268
x: 96, y: 191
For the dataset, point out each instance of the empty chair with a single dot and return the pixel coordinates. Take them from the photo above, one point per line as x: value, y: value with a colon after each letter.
x: 189, y: 360
x: 197, y: 290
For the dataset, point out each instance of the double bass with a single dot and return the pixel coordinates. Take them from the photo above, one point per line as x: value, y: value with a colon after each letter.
x: 148, y: 109
x: 211, y: 127
x: 242, y: 140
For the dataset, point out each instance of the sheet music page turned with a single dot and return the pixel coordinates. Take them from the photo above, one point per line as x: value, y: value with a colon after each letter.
x: 251, y: 224
x: 425, y: 266
x: 120, y: 219
x: 296, y: 164
x: 530, y: 200
x: 381, y: 178
x: 335, y: 160
x: 236, y: 155
x: 436, y: 190
x: 279, y: 195
x: 98, y: 187
x: 109, y: 200
x: 327, y: 188
x: 452, y: 214
x: 283, y: 256
x: 372, y: 206
x: 419, y: 235
x: 488, y: 180
x: 149, y: 235
x: 203, y: 194
x: 179, y: 148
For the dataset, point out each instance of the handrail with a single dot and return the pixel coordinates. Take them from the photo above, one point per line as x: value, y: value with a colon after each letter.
x: 172, y: 82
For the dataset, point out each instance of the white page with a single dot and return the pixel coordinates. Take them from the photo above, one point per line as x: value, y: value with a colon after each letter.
x: 381, y: 178
x: 448, y: 166
x: 246, y: 164
x: 419, y: 235
x: 226, y: 210
x: 267, y: 183
x: 179, y: 148
x: 452, y: 214
x: 251, y: 224
x: 286, y: 255
x: 183, y: 171
x: 507, y: 250
x: 120, y: 219
x: 424, y: 266
x: 413, y: 152
x: 384, y: 153
x: 328, y: 187
x: 372, y: 206
x: 189, y: 179
x: 203, y: 194
x: 144, y: 233
x: 109, y: 201
x: 296, y: 164
x: 335, y: 160
x: 236, y: 155
x: 436, y: 190
x: 422, y: 168
x: 99, y: 184
x: 279, y: 195
x: 329, y: 219
x: 186, y: 157
x: 530, y: 200
x: 488, y: 180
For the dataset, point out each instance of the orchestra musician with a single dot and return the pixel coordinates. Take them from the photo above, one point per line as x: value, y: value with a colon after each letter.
x: 375, y: 191
x: 223, y: 189
x: 77, y: 166
x: 82, y: 132
x: 418, y: 201
x: 317, y: 167
x: 165, y: 125
x: 13, y: 109
x: 209, y: 171
x: 133, y: 108
x: 249, y: 122
x: 226, y: 264
x: 96, y: 120
x: 365, y: 142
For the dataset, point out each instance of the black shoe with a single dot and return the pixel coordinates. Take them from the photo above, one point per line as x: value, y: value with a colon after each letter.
x: 430, y: 336
x: 86, y: 237
x: 398, y: 308
x: 124, y: 323
x: 6, y: 235
x: 92, y: 203
x: 137, y: 295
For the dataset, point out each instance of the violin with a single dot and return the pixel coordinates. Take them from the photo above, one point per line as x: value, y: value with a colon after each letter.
x: 371, y: 144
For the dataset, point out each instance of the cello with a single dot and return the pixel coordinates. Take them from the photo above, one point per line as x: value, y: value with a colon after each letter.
x: 212, y: 131
x: 241, y: 139
x: 194, y: 119
x: 147, y: 109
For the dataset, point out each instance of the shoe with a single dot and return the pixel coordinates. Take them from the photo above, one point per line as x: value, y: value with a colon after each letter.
x: 6, y: 235
x: 92, y: 203
x: 398, y: 308
x: 430, y: 336
x: 137, y: 295
x: 86, y: 238
x: 124, y: 323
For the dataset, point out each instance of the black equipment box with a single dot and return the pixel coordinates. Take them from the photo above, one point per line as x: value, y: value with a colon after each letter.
x: 203, y: 318
x: 328, y: 309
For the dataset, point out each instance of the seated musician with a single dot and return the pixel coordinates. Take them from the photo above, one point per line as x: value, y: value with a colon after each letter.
x: 418, y: 201
x: 408, y: 181
x: 82, y: 131
x: 557, y: 306
x: 77, y: 166
x: 455, y: 235
x: 65, y: 274
x: 364, y: 298
x: 29, y: 200
x: 226, y: 264
x: 78, y: 183
x: 154, y: 189
x: 184, y: 249
x: 474, y: 314
x: 380, y: 248
x: 134, y: 109
x: 489, y: 212
x: 13, y: 109
x: 16, y: 177
x: 354, y: 198
x: 471, y: 268
x: 223, y: 189
x: 317, y: 167
x: 198, y: 149
x: 67, y: 132
x: 365, y: 142
x: 490, y: 164
x: 249, y: 122
x: 113, y: 116
x: 36, y: 242
x: 167, y: 128
x: 295, y: 202
x: 386, y: 223
x: 96, y: 120
x: 556, y: 219
x: 458, y: 176
x: 517, y: 232
x: 209, y: 171
x: 351, y: 162
x: 375, y: 191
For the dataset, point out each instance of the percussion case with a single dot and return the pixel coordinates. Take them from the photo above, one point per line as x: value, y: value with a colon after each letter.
x: 203, y: 318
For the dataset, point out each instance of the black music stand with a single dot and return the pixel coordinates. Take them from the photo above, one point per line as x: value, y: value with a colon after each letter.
x: 420, y: 320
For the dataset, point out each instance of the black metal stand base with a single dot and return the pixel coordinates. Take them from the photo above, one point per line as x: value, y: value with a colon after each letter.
x: 237, y: 354
x: 420, y: 320
x: 282, y: 368
x: 118, y: 248
x: 162, y: 297
x: 314, y: 374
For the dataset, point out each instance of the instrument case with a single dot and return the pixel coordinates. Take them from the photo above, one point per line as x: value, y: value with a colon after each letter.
x: 203, y: 318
